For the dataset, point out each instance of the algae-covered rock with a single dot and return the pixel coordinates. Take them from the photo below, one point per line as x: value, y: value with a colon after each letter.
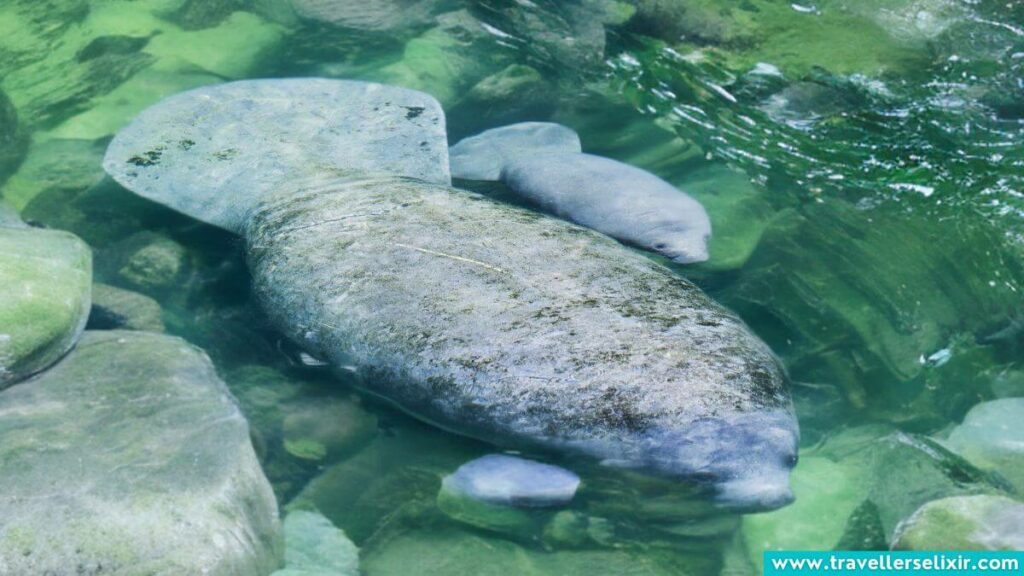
x: 314, y: 547
x: 739, y: 213
x: 130, y: 455
x: 147, y: 261
x: 114, y: 308
x: 89, y: 67
x: 445, y: 551
x: 826, y: 492
x: 326, y: 428
x: 394, y: 481
x: 513, y: 94
x: 568, y: 36
x: 873, y: 300
x: 855, y: 488
x: 12, y: 138
x: 45, y: 285
x: 840, y: 36
x: 446, y: 60
x: 964, y: 523
x: 299, y: 423
x: 55, y: 165
x: 370, y: 15
x: 992, y: 438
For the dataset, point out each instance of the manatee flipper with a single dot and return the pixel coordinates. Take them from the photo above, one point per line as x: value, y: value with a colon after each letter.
x: 543, y: 164
x: 482, y: 157
x: 487, y: 319
x: 212, y: 153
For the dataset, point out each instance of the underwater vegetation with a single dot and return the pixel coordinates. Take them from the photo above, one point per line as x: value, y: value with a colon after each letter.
x: 257, y: 318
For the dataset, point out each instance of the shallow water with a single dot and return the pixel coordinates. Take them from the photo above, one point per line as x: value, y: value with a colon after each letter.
x: 861, y: 162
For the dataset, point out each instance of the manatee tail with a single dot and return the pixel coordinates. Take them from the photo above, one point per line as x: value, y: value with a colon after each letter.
x: 214, y: 152
x: 482, y: 157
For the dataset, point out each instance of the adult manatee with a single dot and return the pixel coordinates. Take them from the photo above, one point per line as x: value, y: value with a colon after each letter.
x: 486, y: 319
x: 544, y: 164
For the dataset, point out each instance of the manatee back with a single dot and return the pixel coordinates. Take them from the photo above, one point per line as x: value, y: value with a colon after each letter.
x: 484, y: 156
x: 212, y: 153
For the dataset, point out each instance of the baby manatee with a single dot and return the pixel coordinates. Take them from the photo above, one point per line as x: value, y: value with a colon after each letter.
x: 543, y: 163
x: 483, y: 318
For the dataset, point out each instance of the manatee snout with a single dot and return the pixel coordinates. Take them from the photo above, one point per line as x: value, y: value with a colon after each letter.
x: 746, y: 458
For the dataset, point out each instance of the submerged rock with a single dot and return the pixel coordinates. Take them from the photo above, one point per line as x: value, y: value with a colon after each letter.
x: 964, y: 523
x: 129, y: 455
x: 314, y: 547
x: 372, y: 15
x: 45, y: 285
x: 513, y: 94
x: 326, y: 428
x: 148, y: 261
x: 543, y: 164
x: 55, y: 165
x: 856, y: 487
x: 447, y: 60
x: 992, y: 438
x: 445, y: 551
x: 487, y: 319
x: 12, y: 140
x: 114, y: 308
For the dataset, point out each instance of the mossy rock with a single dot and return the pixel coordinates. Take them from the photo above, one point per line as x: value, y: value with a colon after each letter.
x: 57, y: 165
x: 45, y: 285
x: 827, y: 493
x: 446, y: 60
x: 517, y: 93
x: 739, y: 213
x: 446, y: 551
x: 13, y: 140
x: 130, y: 455
x: 992, y: 438
x: 315, y: 547
x: 870, y: 41
x: 964, y: 523
x: 855, y: 488
x: 333, y: 426
x: 149, y: 262
x: 392, y: 483
x: 114, y: 308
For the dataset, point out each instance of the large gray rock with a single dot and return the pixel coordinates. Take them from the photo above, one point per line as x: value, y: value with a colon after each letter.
x: 490, y: 320
x: 131, y: 457
x: 12, y: 140
x: 315, y: 547
x: 113, y: 307
x: 992, y: 438
x: 45, y: 287
x: 964, y: 523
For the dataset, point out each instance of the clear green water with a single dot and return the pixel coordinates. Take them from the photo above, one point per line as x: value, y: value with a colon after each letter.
x: 865, y: 184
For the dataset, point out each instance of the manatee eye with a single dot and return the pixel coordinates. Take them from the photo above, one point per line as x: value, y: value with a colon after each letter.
x: 660, y: 246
